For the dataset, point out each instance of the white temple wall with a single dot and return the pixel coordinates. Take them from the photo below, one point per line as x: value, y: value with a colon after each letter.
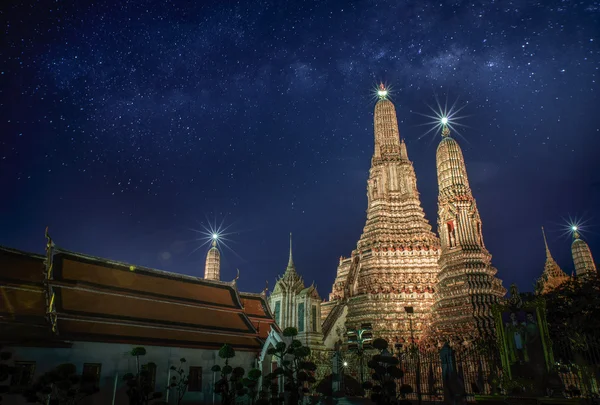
x: 116, y: 361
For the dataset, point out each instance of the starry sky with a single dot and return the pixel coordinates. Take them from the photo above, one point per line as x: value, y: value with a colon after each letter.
x: 128, y: 126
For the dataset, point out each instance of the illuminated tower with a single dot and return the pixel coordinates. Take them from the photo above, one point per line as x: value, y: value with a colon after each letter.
x: 212, y: 268
x: 467, y: 286
x: 553, y: 276
x: 395, y: 263
x: 582, y: 256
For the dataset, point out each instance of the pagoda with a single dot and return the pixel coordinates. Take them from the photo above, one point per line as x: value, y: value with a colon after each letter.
x: 395, y: 264
x: 467, y: 287
x: 212, y: 266
x: 553, y: 276
x: 582, y: 256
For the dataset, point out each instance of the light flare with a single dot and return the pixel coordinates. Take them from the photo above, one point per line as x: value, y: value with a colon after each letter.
x: 444, y: 116
x: 571, y: 225
x: 213, y: 232
x: 381, y: 91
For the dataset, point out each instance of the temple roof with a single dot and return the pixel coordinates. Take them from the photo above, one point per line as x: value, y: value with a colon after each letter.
x: 257, y: 309
x: 97, y: 299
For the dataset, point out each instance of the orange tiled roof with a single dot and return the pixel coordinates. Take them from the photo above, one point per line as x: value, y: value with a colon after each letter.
x: 257, y: 309
x: 102, y: 300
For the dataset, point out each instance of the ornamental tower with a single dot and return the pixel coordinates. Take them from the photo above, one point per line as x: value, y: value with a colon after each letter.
x: 297, y: 306
x: 467, y: 286
x: 553, y: 276
x: 582, y: 256
x: 212, y: 267
x: 394, y: 264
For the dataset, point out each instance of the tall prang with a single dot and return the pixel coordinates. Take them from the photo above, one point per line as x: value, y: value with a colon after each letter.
x: 212, y: 267
x: 553, y: 276
x: 582, y: 256
x: 467, y: 287
x: 395, y: 263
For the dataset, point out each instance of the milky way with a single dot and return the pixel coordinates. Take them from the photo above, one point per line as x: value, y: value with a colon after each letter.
x: 126, y: 126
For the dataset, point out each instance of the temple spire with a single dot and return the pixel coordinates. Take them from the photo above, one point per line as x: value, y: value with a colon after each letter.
x: 291, y: 260
x: 582, y: 256
x: 387, y: 136
x: 548, y: 254
x: 463, y: 257
x: 212, y: 266
x: 445, y: 129
x: 553, y: 276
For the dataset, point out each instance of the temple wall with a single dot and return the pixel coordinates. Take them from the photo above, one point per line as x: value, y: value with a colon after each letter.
x: 116, y: 361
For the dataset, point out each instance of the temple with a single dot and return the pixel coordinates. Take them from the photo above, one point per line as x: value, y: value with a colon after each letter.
x: 395, y: 263
x: 90, y: 311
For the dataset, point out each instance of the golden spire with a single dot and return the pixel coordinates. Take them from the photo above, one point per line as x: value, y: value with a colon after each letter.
x: 382, y: 92
x: 553, y: 276
x: 445, y: 129
x: 451, y: 169
x: 582, y: 255
x: 548, y: 255
x: 387, y: 135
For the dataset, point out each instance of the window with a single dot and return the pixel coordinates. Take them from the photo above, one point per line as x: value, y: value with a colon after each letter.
x: 301, y: 317
x: 314, y: 318
x: 277, y: 311
x: 150, y: 377
x: 195, y: 379
x: 23, y: 375
x: 91, y: 373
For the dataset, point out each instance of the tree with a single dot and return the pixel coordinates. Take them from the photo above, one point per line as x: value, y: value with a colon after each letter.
x: 140, y: 389
x: 572, y: 308
x: 5, y: 371
x: 385, y: 375
x: 179, y: 381
x: 294, y: 366
x: 61, y: 386
x: 230, y: 385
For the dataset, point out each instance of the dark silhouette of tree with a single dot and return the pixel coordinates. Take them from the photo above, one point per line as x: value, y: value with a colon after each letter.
x: 232, y: 383
x: 385, y: 374
x: 294, y: 366
x: 6, y: 372
x: 61, y: 386
x: 139, y: 386
x: 572, y: 310
x: 180, y: 381
x: 251, y: 384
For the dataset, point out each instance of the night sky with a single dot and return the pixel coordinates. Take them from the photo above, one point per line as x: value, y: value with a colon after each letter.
x: 127, y: 125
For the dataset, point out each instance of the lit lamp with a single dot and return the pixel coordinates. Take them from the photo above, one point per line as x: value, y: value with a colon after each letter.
x: 359, y: 340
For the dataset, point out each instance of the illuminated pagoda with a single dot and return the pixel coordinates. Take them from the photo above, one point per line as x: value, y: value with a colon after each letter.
x: 553, y: 276
x: 295, y: 305
x: 212, y: 267
x: 395, y: 263
x: 467, y: 287
x: 582, y: 256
